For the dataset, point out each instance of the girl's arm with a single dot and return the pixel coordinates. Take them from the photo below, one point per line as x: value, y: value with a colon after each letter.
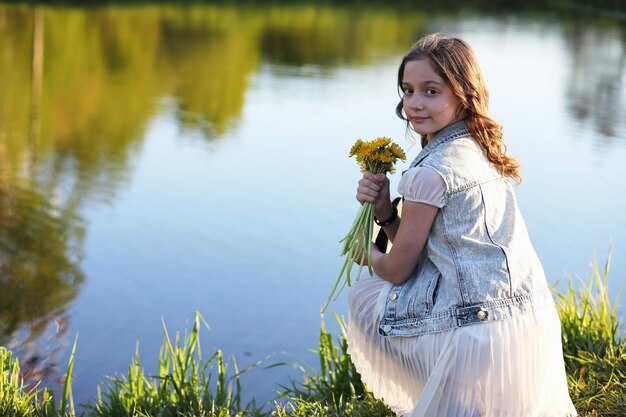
x: 411, y: 233
x: 392, y: 228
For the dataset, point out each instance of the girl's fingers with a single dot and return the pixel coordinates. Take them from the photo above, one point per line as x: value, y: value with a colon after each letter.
x: 370, y: 187
x: 367, y: 193
x: 377, y: 178
x: 373, y: 191
x: 369, y: 183
x: 362, y: 198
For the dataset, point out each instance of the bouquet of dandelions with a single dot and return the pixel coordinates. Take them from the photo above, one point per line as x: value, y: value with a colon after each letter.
x: 377, y: 156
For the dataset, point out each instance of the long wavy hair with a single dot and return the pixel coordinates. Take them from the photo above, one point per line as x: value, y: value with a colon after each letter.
x: 455, y: 62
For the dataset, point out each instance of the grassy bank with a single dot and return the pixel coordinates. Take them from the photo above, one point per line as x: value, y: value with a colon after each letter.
x: 190, y: 385
x: 594, y: 347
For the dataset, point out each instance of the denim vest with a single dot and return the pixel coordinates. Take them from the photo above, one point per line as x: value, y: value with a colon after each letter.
x: 478, y: 264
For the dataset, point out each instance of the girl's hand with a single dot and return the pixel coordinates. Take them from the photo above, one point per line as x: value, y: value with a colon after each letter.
x: 374, y: 188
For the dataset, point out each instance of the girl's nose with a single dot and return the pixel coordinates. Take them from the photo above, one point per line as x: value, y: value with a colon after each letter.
x: 414, y: 102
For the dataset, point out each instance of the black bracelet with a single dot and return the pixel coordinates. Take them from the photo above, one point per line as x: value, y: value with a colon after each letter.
x: 391, y: 218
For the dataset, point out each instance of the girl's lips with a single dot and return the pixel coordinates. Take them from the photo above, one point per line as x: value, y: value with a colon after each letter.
x: 419, y: 119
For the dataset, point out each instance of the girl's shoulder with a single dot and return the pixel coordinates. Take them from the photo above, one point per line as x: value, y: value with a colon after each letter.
x: 462, y: 147
x: 423, y: 184
x: 460, y: 162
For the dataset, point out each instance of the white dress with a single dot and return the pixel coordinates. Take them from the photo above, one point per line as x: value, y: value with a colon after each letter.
x: 505, y: 368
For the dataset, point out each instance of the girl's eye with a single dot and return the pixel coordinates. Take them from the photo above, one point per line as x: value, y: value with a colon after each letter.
x: 407, y: 90
x: 430, y: 91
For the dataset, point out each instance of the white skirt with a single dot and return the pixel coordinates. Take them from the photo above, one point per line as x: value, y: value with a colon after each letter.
x: 505, y: 368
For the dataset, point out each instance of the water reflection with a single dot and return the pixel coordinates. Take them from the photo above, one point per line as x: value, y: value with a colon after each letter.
x: 40, y: 252
x: 40, y: 256
x: 80, y: 86
x: 40, y: 345
x: 597, y: 85
x: 207, y: 56
x: 327, y: 37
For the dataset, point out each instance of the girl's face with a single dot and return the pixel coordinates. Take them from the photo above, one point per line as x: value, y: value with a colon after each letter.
x: 428, y: 101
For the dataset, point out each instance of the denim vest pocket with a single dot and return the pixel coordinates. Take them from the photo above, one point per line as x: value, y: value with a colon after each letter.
x: 431, y: 291
x: 416, y: 296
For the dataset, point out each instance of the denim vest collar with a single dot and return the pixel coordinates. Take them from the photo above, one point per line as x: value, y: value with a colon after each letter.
x: 448, y: 133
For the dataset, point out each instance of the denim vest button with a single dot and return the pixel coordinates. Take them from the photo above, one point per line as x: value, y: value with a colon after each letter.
x: 386, y: 328
x: 481, y: 314
x: 393, y: 296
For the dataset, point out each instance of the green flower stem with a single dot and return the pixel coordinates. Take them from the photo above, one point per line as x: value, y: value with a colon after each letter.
x: 357, y: 248
x: 370, y: 233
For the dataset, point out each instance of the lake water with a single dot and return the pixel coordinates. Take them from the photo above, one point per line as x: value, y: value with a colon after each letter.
x: 156, y: 161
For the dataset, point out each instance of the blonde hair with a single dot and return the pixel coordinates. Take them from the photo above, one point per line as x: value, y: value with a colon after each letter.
x: 454, y: 61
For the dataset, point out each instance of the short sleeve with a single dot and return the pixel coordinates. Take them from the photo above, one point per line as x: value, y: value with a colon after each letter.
x: 423, y: 185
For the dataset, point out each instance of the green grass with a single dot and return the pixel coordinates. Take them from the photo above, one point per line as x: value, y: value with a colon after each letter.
x: 15, y: 398
x: 19, y: 400
x: 593, y: 347
x: 187, y: 385
x: 333, y: 389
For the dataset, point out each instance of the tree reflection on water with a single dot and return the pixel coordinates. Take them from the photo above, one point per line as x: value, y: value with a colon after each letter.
x: 597, y: 84
x: 40, y: 274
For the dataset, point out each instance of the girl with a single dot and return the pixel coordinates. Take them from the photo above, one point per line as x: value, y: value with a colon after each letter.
x: 458, y: 319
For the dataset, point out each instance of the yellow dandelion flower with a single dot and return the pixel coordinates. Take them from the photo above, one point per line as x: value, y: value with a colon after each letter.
x: 378, y: 155
x: 386, y: 156
x: 381, y: 142
x: 363, y: 153
x: 397, y: 151
x: 366, y: 149
x: 356, y: 147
